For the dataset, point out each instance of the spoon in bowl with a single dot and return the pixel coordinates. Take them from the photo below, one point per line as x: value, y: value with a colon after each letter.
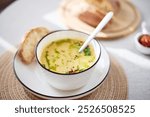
x: 100, y: 26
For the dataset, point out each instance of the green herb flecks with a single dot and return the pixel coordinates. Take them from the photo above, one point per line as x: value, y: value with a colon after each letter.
x: 87, y: 51
x: 59, y: 42
x: 80, y: 70
x: 53, y: 68
x: 56, y: 51
x: 47, y: 60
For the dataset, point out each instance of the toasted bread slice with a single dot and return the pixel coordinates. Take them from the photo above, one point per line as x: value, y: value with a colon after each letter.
x: 26, y: 51
x: 91, y: 12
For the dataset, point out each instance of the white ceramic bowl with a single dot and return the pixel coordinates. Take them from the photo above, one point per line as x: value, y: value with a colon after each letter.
x: 139, y: 46
x: 66, y: 81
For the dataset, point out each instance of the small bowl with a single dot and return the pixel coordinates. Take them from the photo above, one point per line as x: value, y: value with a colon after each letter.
x: 139, y: 46
x: 66, y: 81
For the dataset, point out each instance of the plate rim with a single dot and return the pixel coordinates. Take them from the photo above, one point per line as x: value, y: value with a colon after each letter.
x: 60, y: 97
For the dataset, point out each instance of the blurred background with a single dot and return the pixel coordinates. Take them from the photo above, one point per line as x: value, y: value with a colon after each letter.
x: 5, y: 3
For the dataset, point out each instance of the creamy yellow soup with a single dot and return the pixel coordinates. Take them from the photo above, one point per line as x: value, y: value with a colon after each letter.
x: 62, y: 56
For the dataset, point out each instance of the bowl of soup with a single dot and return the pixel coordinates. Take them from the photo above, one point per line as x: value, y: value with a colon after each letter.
x: 60, y: 62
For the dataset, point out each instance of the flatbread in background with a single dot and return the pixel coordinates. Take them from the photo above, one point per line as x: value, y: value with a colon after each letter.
x: 27, y: 48
x: 124, y: 22
x: 91, y: 11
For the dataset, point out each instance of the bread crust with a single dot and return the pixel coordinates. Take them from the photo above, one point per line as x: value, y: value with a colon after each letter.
x: 31, y: 38
x: 91, y: 18
x: 91, y: 12
x: 97, y: 10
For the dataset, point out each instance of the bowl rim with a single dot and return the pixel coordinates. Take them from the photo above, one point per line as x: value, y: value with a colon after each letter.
x: 36, y: 56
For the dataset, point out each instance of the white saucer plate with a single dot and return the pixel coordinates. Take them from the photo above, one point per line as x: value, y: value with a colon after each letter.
x: 29, y: 77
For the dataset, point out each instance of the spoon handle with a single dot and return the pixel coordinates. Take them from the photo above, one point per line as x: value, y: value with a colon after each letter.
x: 100, y: 26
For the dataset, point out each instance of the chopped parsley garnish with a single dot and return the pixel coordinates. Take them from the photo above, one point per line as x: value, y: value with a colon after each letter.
x: 47, y: 60
x: 87, y: 51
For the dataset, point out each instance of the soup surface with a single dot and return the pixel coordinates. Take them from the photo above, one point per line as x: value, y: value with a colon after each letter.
x: 62, y: 56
